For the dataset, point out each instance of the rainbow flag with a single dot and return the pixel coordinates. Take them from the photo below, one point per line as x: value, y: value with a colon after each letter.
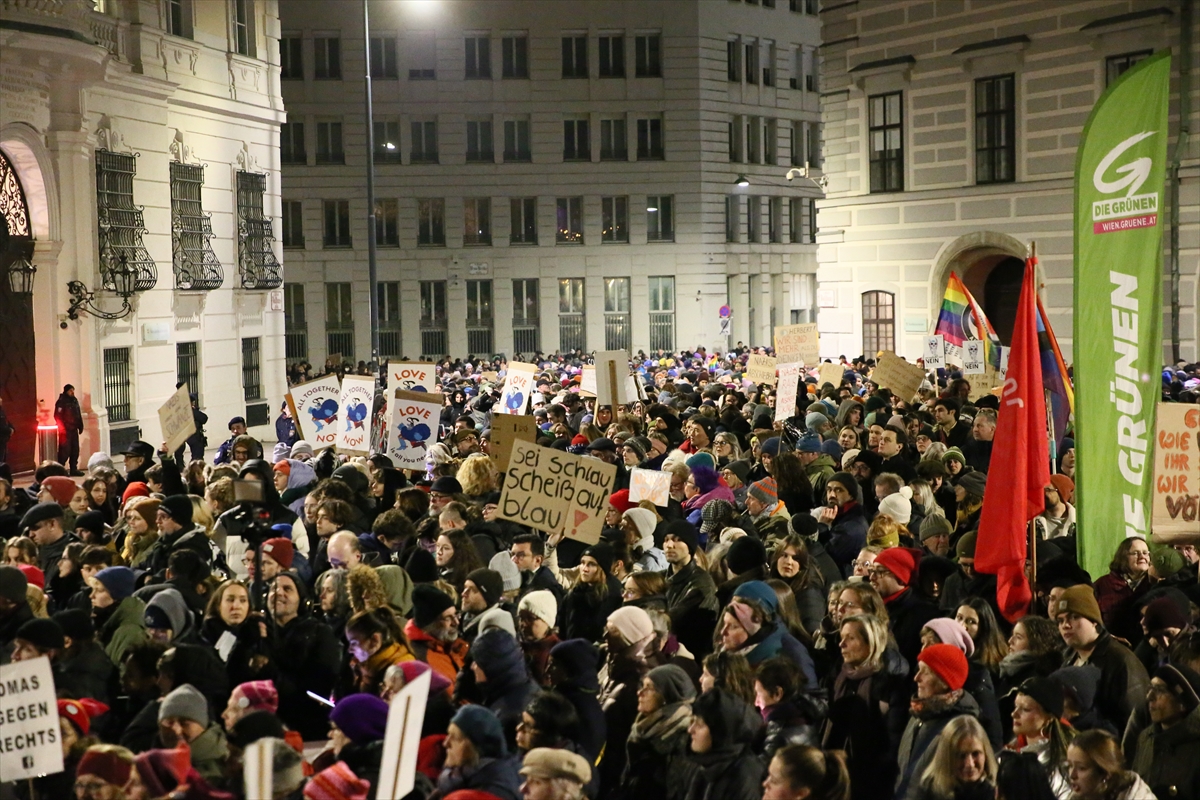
x: 961, y: 319
x: 1060, y: 395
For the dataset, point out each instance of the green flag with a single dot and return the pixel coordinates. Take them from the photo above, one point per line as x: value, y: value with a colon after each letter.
x: 1119, y: 173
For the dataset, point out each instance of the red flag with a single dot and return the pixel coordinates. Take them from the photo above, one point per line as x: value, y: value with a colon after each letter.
x: 1020, y: 462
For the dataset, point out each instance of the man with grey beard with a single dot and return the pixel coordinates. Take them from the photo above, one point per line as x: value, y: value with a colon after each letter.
x: 433, y: 632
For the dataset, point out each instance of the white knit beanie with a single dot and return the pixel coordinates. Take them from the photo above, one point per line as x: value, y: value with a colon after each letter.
x: 541, y: 604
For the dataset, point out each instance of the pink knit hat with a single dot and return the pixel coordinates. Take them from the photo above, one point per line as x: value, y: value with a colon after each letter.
x: 257, y: 696
x: 337, y: 783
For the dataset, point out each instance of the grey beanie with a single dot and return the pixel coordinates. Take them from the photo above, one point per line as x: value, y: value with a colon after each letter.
x: 185, y: 702
x: 509, y: 574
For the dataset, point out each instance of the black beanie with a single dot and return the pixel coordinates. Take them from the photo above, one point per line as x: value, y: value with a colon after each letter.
x: 745, y: 554
x: 178, y: 508
x: 684, y: 532
x: 428, y: 604
x: 44, y: 634
x: 76, y: 623
x: 92, y: 521
x: 489, y: 583
x: 254, y: 726
x: 1046, y: 692
x: 422, y: 566
x: 603, y: 553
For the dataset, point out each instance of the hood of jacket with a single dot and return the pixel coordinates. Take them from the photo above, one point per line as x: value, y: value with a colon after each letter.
x: 398, y: 585
x: 300, y: 474
x: 171, y: 602
x: 503, y: 662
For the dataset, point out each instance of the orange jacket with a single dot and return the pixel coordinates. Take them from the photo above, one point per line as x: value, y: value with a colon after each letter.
x: 444, y: 658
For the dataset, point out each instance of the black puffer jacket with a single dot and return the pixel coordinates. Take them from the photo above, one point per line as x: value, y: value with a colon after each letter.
x: 585, y: 612
x: 728, y: 770
x: 508, y: 687
x: 794, y: 721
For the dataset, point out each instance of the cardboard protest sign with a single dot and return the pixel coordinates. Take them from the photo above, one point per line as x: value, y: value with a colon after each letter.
x: 650, y: 484
x: 518, y: 385
x: 356, y: 400
x: 893, y: 372
x: 984, y: 384
x: 176, y: 419
x: 553, y: 491
x: 489, y: 376
x: 258, y: 769
x: 612, y: 369
x: 315, y: 408
x: 800, y: 343
x: 587, y: 381
x: 935, y: 352
x: 31, y: 744
x: 412, y: 427
x: 973, y: 357
x: 1174, y: 512
x: 411, y: 376
x: 401, y: 738
x: 506, y: 429
x: 761, y: 369
x: 830, y: 373
x: 785, y: 398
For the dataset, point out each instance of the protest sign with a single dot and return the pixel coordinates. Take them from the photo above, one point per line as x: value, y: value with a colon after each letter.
x: 650, y: 484
x: 785, y: 397
x: 634, y: 389
x: 985, y: 384
x: 761, y: 369
x: 612, y: 368
x: 401, y: 738
x: 518, y: 385
x: 973, y: 357
x: 412, y: 376
x: 31, y: 743
x: 412, y: 427
x: 176, y: 419
x: 1174, y: 516
x: 830, y: 373
x: 506, y: 429
x: 489, y: 376
x: 556, y: 492
x: 356, y: 400
x: 587, y: 381
x: 935, y: 352
x: 314, y: 407
x: 799, y: 343
x: 893, y: 372
x: 258, y: 769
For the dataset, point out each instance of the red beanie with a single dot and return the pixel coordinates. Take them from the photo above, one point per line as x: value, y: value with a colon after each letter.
x: 947, y: 662
x: 108, y: 767
x: 80, y: 712
x: 33, y: 575
x: 135, y: 489
x: 900, y: 561
x: 282, y: 465
x: 61, y: 488
x: 281, y: 550
x: 337, y: 783
x: 257, y: 696
x: 620, y: 501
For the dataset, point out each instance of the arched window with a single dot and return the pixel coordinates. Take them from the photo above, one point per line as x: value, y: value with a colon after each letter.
x: 878, y: 322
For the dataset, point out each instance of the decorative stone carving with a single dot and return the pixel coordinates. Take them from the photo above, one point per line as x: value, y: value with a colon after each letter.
x: 109, y: 138
x: 245, y: 160
x: 180, y: 151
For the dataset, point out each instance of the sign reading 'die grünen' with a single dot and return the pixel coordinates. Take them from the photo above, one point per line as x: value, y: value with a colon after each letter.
x: 29, y: 737
x: 553, y: 491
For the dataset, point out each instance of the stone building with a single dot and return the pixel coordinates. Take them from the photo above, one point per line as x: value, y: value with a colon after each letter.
x: 951, y: 129
x: 139, y: 158
x: 548, y: 174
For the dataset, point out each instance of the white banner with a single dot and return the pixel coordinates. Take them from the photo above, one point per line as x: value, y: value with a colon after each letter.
x: 411, y: 376
x: 935, y: 352
x: 412, y: 427
x: 315, y: 407
x: 401, y: 738
x: 786, y: 390
x: 354, y: 430
x: 612, y: 369
x: 518, y: 385
x: 30, y: 743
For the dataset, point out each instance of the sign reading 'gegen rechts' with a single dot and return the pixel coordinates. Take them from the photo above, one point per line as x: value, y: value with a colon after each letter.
x: 29, y: 734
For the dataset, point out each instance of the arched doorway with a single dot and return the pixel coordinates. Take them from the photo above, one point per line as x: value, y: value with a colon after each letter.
x: 18, y: 375
x: 991, y: 265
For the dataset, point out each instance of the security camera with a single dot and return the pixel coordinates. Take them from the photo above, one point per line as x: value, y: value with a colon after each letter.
x: 63, y: 324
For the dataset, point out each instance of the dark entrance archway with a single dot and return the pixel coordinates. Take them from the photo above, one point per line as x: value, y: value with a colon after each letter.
x: 18, y: 378
x: 995, y: 282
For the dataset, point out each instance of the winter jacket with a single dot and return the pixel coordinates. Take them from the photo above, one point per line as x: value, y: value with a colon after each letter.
x: 980, y: 686
x: 67, y: 414
x: 692, y: 606
x: 1123, y: 679
x: 445, y: 658
x: 926, y: 720
x: 867, y: 716
x: 1120, y: 606
x: 585, y: 613
x: 88, y: 672
x: 845, y: 536
x: 308, y: 657
x: 657, y: 762
x: 728, y: 770
x: 795, y: 721
x: 981, y: 790
x: 618, y: 699
x: 500, y: 777
x: 908, y: 613
x: 577, y: 664
x: 124, y: 628
x: 242, y: 648
x: 1168, y: 759
x: 210, y: 751
x: 508, y: 687
x: 157, y: 557
x: 818, y: 472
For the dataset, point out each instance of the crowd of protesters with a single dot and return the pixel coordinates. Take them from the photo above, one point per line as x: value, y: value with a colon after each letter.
x: 800, y: 620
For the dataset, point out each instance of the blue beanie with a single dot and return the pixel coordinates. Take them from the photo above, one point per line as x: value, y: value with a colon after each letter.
x: 362, y: 717
x: 772, y: 446
x: 282, y: 530
x: 700, y: 460
x: 809, y: 443
x: 119, y: 581
x: 483, y: 728
x: 760, y: 592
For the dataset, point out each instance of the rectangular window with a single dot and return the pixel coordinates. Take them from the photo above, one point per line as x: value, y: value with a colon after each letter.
x: 515, y: 57
x: 570, y: 220
x: 660, y: 218
x: 516, y: 140
x: 735, y: 139
x: 424, y: 143
x: 886, y: 131
x: 617, y: 323
x: 574, y: 57
x: 293, y: 223
x: 120, y: 220
x: 572, y: 331
x: 796, y: 143
x: 387, y: 142
x: 431, y: 222
x: 179, y: 18
x: 813, y: 154
x: 479, y: 57
x: 187, y: 365
x: 291, y: 143
x: 612, y: 56
x: 995, y: 130
x: 733, y: 66
x: 751, y: 50
x: 576, y: 146
x: 422, y: 57
x: 252, y: 368
x: 753, y: 140
x: 479, y: 141
x: 479, y: 317
x: 257, y: 264
x: 775, y: 220
x: 339, y: 320
x: 526, y: 315
x: 754, y: 219
x: 195, y: 264
x: 295, y: 323
x: 387, y: 223
x: 383, y: 58
x: 612, y: 140
x: 329, y: 143
x: 650, y: 139
x: 327, y: 58
x: 648, y: 56
x: 243, y: 36
x: 812, y: 69
x: 117, y: 385
x: 388, y: 303
x: 768, y: 70
x: 878, y: 321
x: 523, y: 217
x: 810, y: 7
x: 614, y: 219
x: 337, y: 223
x: 1115, y: 66
x: 731, y: 218
x: 434, y: 323
x: 770, y: 141
x: 291, y: 58
x: 802, y: 220
x: 662, y: 313
x: 477, y: 221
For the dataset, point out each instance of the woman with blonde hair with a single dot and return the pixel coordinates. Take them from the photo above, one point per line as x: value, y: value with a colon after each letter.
x: 866, y: 557
x: 141, y: 529
x: 963, y: 766
x: 202, y: 516
x: 884, y: 532
x: 1096, y: 768
x: 477, y: 475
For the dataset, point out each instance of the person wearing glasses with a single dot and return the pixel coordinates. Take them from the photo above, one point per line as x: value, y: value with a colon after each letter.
x: 892, y: 575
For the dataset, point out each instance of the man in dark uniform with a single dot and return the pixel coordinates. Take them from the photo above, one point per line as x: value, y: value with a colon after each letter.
x: 70, y: 424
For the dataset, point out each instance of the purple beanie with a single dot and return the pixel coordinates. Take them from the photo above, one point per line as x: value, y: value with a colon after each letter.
x: 362, y: 717
x: 706, y: 479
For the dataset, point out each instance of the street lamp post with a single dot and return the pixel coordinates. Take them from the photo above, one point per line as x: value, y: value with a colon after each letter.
x: 372, y: 267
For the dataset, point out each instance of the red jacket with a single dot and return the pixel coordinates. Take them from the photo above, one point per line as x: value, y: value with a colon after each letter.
x: 444, y: 658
